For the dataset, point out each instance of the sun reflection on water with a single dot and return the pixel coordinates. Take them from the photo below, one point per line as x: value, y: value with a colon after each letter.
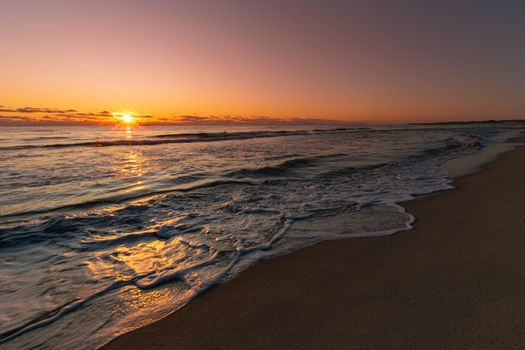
x: 151, y: 258
x: 133, y: 164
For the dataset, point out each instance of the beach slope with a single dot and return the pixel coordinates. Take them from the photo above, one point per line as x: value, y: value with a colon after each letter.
x: 456, y: 281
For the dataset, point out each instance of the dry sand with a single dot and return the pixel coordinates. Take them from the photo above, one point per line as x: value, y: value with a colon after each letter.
x: 457, y: 281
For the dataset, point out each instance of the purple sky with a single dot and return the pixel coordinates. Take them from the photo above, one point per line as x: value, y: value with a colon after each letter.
x: 354, y: 60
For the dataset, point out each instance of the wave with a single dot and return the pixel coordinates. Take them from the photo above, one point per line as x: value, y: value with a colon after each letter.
x: 149, y: 280
x: 287, y: 167
x: 243, y: 176
x: 185, y: 138
x: 212, y: 137
x: 454, y: 144
x: 47, y: 138
x: 125, y: 198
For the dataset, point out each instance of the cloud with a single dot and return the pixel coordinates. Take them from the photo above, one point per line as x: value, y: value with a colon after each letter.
x: 14, y: 117
x: 239, y: 120
x: 25, y: 115
x: 3, y: 109
x: 38, y: 115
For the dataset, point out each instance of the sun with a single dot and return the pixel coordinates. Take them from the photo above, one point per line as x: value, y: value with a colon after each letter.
x: 127, y: 118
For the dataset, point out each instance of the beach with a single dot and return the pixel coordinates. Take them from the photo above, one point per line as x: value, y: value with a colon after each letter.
x: 262, y: 175
x: 455, y: 281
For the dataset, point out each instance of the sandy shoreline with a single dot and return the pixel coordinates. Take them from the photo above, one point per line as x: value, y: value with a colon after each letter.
x: 456, y: 281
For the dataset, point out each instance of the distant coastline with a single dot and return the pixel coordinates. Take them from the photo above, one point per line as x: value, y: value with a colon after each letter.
x: 490, y: 121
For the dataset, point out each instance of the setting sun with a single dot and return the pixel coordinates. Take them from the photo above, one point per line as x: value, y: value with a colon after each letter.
x: 127, y: 118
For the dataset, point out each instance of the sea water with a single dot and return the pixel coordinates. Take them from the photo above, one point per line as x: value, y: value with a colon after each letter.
x: 103, y: 229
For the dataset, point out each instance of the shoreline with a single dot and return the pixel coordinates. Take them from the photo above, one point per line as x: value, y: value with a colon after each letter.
x: 455, y: 280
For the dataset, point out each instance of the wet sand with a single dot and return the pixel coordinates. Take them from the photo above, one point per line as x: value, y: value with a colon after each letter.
x: 456, y: 281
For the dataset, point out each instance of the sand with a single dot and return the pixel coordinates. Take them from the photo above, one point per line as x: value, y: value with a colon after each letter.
x: 456, y: 281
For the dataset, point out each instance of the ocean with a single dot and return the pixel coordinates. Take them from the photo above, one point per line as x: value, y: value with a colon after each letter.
x: 106, y: 229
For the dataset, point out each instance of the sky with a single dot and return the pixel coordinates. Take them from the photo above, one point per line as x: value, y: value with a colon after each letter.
x: 352, y: 60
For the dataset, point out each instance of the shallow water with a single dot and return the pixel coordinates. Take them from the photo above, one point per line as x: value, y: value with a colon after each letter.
x: 103, y: 230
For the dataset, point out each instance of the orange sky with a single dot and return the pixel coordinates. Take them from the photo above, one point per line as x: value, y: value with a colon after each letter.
x: 344, y: 60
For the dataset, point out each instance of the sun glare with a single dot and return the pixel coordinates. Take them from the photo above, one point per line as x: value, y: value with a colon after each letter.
x: 125, y: 118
